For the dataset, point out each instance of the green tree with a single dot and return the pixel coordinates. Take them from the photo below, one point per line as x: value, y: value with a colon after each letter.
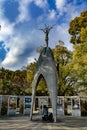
x: 78, y: 31
x: 31, y: 68
x: 76, y: 26
x: 83, y: 35
x: 66, y: 81
x: 79, y: 64
x: 42, y: 89
x: 41, y: 86
x: 13, y: 82
x: 19, y: 81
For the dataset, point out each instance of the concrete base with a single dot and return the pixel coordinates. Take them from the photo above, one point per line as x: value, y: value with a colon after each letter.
x: 46, y: 68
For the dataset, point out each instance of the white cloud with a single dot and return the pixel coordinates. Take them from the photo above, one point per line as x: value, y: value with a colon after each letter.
x: 14, y: 57
x: 21, y: 43
x: 60, y: 32
x: 70, y: 9
x: 7, y: 28
x: 13, y: 39
x: 24, y: 14
x: 52, y: 14
x: 60, y: 4
x: 1, y: 9
x: 30, y: 60
x: 71, y: 13
x: 41, y: 3
x: 21, y: 49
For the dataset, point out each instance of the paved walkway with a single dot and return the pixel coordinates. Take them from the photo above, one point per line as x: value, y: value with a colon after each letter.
x: 24, y: 123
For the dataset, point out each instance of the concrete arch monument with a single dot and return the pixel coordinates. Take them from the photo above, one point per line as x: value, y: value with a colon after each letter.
x: 46, y: 67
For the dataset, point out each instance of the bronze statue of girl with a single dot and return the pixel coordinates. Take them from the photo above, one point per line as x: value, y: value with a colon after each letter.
x: 46, y: 30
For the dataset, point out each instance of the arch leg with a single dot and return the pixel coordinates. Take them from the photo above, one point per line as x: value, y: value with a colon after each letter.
x: 52, y: 87
x: 33, y: 99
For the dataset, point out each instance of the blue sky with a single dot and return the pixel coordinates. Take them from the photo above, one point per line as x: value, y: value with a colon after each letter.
x: 21, y: 21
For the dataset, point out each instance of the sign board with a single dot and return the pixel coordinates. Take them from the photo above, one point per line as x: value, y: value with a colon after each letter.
x: 69, y: 109
x: 76, y: 106
x: 68, y: 105
x: 60, y: 106
x: 42, y: 101
x: 12, y: 105
x: 27, y: 105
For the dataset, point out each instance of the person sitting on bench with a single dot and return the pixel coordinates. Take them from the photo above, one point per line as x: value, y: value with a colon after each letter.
x: 45, y: 113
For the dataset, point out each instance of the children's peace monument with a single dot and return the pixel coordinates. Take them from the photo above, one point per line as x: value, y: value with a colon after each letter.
x: 46, y: 68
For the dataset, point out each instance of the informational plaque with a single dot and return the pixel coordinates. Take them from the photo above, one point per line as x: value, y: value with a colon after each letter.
x: 27, y: 105
x: 76, y: 106
x: 42, y: 101
x: 60, y: 106
x: 12, y: 105
x: 68, y: 105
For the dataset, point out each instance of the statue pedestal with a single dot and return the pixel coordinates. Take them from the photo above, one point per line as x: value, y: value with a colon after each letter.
x: 46, y: 67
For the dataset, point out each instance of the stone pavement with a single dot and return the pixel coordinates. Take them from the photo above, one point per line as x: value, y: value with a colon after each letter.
x: 24, y: 123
